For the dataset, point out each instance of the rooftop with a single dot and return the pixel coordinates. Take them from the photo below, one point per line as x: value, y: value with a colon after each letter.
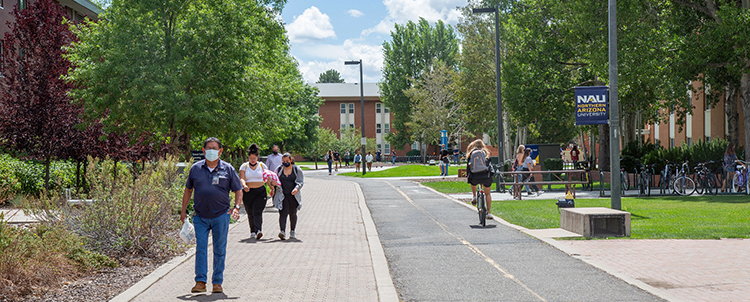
x: 346, y: 89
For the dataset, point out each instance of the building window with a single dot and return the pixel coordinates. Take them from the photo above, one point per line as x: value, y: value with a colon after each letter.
x: 708, y: 138
x: 671, y: 142
x: 387, y: 110
x: 343, y: 108
x: 378, y: 128
x: 2, y: 4
x: 351, y: 107
x: 1, y: 54
x: 343, y: 126
x: 21, y: 4
x: 387, y: 149
x: 377, y: 107
x: 689, y: 141
x: 351, y: 126
x: 387, y: 128
x: 379, y: 147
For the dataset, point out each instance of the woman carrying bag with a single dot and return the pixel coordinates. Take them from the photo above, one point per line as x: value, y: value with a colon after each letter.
x: 254, y: 196
x: 288, y: 198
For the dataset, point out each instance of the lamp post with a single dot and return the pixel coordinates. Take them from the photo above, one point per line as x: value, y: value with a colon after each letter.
x: 500, y: 149
x: 614, y: 111
x: 362, y: 110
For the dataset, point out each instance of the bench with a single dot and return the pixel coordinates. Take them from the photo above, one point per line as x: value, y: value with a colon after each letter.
x: 595, y: 222
x: 569, y: 184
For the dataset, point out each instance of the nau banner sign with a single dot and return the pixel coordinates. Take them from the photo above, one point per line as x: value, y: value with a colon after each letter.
x: 591, y: 105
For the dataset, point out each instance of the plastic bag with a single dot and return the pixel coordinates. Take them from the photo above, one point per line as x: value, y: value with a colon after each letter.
x: 188, y: 231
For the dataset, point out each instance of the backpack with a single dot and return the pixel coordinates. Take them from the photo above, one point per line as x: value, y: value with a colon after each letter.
x: 478, y: 161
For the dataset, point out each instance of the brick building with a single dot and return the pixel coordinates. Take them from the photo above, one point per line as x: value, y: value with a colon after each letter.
x: 705, y: 123
x: 341, y: 109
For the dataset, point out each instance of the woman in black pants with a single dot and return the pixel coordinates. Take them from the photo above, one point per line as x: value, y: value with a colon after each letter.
x: 288, y: 199
x: 254, y: 196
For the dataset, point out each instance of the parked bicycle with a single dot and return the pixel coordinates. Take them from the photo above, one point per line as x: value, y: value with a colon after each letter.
x: 644, y: 179
x: 739, y: 181
x: 683, y: 184
x: 666, y: 178
x: 624, y: 179
x: 705, y: 180
x: 586, y: 176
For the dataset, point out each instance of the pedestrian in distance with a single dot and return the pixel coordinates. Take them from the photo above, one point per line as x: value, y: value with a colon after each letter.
x: 729, y: 166
x: 574, y: 154
x: 479, y: 172
x: 393, y: 157
x: 211, y: 179
x: 329, y: 161
x: 369, y: 158
x: 346, y: 158
x: 444, y: 161
x: 456, y: 156
x: 288, y: 199
x: 274, y: 159
x: 336, y: 159
x: 528, y: 165
x: 379, y: 158
x: 357, y: 161
x: 517, y: 166
x: 255, y: 195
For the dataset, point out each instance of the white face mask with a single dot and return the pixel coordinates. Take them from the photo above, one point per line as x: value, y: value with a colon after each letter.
x: 212, y: 155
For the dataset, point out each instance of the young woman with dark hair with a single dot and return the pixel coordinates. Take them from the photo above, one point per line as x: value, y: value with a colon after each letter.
x: 288, y: 198
x: 254, y: 196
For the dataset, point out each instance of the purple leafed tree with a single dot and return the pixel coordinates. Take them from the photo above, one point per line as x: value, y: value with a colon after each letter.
x: 37, y: 119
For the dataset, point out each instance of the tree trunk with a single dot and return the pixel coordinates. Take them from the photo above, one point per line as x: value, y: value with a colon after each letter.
x: 78, y: 174
x: 745, y: 101
x: 732, y: 114
x: 315, y: 158
x: 604, y: 147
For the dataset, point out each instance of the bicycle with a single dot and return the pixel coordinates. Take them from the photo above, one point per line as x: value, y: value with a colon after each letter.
x: 666, y: 177
x: 481, y: 207
x: 739, y: 180
x: 644, y: 180
x: 683, y: 184
x: 705, y: 180
x: 586, y: 176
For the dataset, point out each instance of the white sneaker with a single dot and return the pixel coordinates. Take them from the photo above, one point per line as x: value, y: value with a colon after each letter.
x: 539, y: 192
x: 252, y: 234
x: 282, y: 236
x: 292, y: 235
x: 489, y: 216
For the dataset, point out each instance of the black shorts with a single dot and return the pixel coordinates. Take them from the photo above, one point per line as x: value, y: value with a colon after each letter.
x: 485, y: 181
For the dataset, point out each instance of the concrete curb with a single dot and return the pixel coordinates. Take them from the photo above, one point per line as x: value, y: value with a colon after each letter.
x: 575, y: 254
x: 383, y: 281
x: 161, y: 271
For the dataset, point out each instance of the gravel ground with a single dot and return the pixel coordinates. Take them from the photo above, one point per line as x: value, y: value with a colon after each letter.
x: 100, y: 286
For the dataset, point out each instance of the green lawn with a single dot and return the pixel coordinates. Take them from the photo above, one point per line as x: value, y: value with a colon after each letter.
x: 692, y: 217
x: 404, y: 171
x: 457, y: 186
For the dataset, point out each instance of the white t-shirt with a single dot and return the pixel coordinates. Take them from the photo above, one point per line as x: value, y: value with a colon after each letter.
x: 368, y: 158
x: 253, y: 175
x: 528, y: 163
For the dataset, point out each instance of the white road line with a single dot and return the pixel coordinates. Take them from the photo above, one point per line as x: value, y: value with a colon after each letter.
x: 471, y: 247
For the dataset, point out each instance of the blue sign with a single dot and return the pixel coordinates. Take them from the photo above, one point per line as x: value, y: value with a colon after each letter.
x: 443, y: 137
x: 534, y: 152
x: 591, y: 105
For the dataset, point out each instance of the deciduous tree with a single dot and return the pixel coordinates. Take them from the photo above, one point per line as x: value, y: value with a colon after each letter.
x: 330, y: 76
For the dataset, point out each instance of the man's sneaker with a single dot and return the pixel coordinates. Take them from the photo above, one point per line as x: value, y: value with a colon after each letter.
x: 253, y: 234
x: 292, y: 235
x: 217, y: 289
x: 528, y: 193
x: 539, y: 193
x: 259, y: 235
x: 200, y: 287
x: 282, y: 236
x: 489, y: 216
x: 474, y: 200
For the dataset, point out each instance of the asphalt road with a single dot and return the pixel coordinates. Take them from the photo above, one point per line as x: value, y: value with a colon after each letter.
x: 437, y: 252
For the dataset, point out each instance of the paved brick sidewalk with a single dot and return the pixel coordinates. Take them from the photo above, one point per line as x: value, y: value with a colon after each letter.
x: 689, y: 270
x: 330, y: 261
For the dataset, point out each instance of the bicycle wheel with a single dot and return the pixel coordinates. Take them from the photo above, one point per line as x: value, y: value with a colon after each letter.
x: 700, y: 183
x: 648, y: 185
x: 625, y: 180
x: 684, y: 185
x: 640, y: 185
x: 711, y: 188
x: 736, y: 183
x: 482, y: 209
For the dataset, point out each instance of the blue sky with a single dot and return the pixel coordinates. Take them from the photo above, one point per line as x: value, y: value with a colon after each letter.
x: 324, y: 34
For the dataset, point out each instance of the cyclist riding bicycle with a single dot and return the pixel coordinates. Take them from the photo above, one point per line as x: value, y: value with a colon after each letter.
x: 479, y: 171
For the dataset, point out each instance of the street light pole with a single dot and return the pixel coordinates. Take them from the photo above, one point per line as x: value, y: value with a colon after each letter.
x: 499, y: 95
x: 362, y: 111
x: 614, y: 110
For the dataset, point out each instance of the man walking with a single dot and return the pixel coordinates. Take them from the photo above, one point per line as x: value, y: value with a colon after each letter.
x: 274, y: 159
x: 212, y: 179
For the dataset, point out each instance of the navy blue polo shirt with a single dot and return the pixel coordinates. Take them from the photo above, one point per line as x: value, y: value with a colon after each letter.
x: 211, y: 197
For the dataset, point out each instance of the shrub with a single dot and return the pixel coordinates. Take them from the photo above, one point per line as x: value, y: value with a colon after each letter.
x: 126, y: 217
x: 553, y: 164
x: 26, y: 178
x: 41, y: 258
x: 413, y: 152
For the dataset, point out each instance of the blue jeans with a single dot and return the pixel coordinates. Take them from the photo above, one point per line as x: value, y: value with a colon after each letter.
x: 219, y: 227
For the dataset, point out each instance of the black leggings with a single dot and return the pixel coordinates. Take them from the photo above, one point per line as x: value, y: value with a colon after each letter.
x: 255, y: 201
x: 288, y: 208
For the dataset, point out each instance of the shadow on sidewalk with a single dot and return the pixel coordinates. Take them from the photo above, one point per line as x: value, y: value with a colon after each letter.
x: 489, y: 226
x: 206, y: 297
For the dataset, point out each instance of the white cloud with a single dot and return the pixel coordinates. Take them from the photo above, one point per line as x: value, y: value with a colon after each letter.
x: 310, y: 26
x: 355, y: 13
x: 401, y: 11
x: 329, y: 56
